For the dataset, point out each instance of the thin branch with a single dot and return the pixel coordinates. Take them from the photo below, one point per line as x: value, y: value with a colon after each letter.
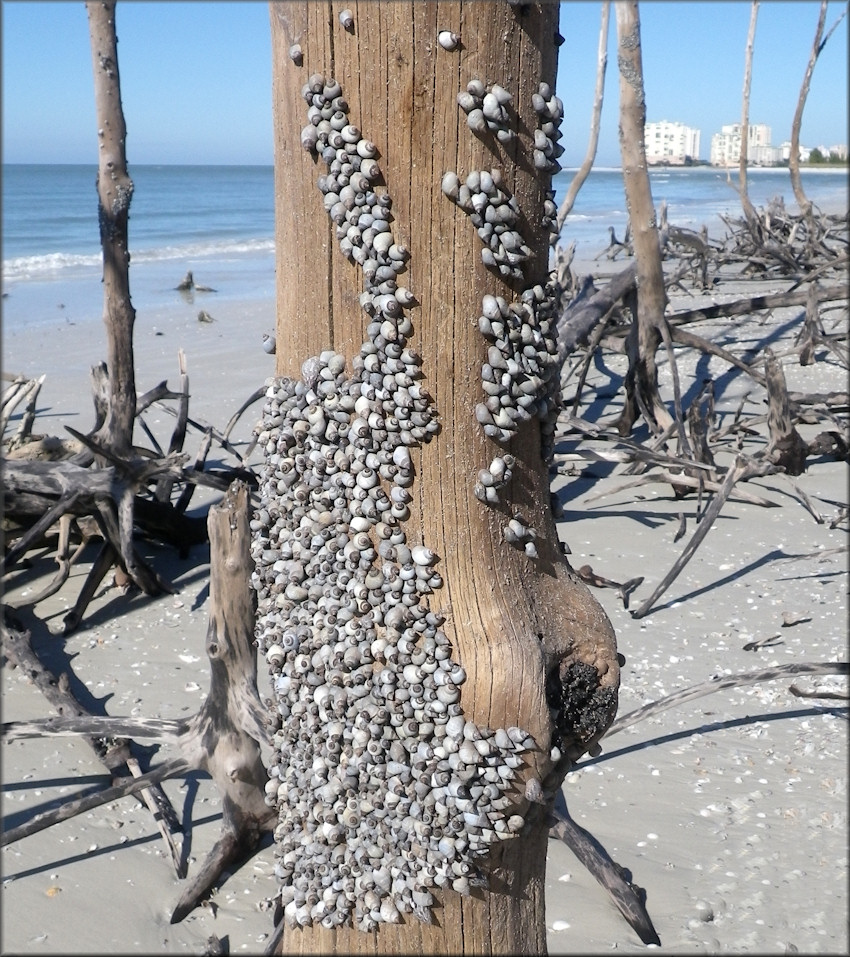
x: 749, y: 212
x: 721, y: 682
x: 606, y: 871
x: 598, y: 96
x: 741, y: 470
x: 40, y: 822
x: 803, y: 201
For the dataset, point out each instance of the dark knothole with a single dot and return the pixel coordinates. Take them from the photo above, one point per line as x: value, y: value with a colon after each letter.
x: 582, y: 710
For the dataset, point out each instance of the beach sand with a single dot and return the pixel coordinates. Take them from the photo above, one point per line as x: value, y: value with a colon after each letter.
x: 731, y: 811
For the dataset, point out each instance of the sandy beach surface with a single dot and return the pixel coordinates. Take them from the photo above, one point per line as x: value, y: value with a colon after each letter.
x: 730, y: 811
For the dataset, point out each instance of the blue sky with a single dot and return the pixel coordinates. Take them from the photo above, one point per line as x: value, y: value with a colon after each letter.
x: 196, y: 77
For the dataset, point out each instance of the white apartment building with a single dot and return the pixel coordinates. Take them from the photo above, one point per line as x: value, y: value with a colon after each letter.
x: 726, y: 146
x: 785, y: 152
x: 672, y: 143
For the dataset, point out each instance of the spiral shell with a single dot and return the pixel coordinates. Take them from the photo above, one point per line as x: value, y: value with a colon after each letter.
x: 448, y: 40
x: 369, y: 738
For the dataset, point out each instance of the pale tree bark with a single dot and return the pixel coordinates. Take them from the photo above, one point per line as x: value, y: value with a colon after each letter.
x: 818, y: 44
x: 526, y: 632
x: 114, y: 192
x: 598, y: 97
x: 647, y: 327
x: 749, y: 212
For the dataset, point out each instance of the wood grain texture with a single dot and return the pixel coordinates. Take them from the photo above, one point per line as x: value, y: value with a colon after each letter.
x: 511, y: 621
x: 114, y: 192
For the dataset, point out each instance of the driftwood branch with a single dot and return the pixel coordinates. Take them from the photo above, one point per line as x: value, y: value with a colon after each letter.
x: 742, y: 469
x: 164, y: 730
x: 114, y: 192
x: 749, y: 212
x: 786, y: 448
x: 21, y: 391
x: 224, y: 738
x: 87, y: 803
x: 606, y: 871
x: 794, y: 158
x: 720, y: 683
x: 108, y: 740
x: 230, y: 726
x: 598, y: 96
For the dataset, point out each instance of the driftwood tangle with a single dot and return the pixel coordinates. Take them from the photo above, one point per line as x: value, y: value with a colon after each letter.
x: 809, y: 256
x: 224, y: 738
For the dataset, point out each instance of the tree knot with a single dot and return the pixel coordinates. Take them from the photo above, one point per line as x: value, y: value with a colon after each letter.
x: 582, y: 708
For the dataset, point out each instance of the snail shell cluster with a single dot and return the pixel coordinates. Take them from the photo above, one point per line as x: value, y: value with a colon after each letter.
x: 384, y: 790
x: 547, y: 149
x: 362, y: 216
x: 549, y: 110
x: 520, y: 375
x: 491, y: 480
x: 486, y: 108
x: 520, y: 535
x: 519, y: 378
x: 494, y: 212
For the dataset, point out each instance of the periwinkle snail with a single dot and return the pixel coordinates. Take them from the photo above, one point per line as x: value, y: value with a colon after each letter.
x: 519, y: 378
x: 487, y: 110
x: 448, y: 40
x: 494, y: 213
x: 384, y: 790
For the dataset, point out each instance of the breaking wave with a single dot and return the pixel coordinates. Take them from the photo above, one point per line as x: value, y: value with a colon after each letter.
x: 65, y: 265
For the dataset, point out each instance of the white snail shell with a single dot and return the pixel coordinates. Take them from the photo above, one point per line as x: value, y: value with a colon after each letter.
x: 447, y: 39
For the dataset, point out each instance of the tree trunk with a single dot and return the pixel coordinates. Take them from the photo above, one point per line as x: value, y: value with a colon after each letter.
x: 794, y: 159
x: 228, y: 729
x: 642, y: 378
x: 749, y: 212
x: 114, y: 192
x: 372, y: 751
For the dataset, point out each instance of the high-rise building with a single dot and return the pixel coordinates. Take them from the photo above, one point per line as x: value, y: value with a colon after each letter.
x: 726, y: 146
x: 672, y: 143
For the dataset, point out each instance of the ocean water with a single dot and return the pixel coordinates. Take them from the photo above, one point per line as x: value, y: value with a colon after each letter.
x: 218, y: 221
x: 695, y: 196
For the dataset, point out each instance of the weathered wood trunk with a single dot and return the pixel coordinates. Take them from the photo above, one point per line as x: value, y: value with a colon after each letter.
x: 645, y: 338
x: 522, y: 628
x: 224, y: 737
x: 114, y: 192
x: 803, y: 201
x: 749, y: 212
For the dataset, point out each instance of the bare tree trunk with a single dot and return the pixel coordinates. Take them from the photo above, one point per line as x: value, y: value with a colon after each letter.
x: 794, y: 160
x: 598, y: 96
x: 642, y: 379
x: 749, y: 212
x: 227, y: 731
x: 507, y: 620
x: 114, y: 191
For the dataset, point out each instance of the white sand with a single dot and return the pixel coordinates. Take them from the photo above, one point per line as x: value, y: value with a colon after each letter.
x: 731, y: 810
